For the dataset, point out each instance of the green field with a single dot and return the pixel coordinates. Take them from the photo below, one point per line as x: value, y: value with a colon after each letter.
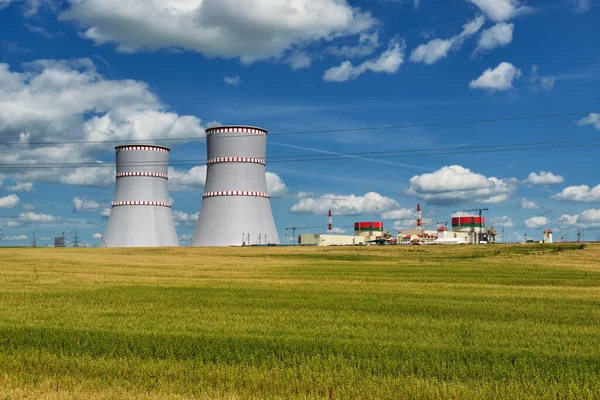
x: 301, y: 323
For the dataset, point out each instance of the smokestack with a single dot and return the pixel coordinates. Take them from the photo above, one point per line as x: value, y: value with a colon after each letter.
x: 236, y: 207
x: 330, y: 223
x: 419, y: 219
x: 141, y: 213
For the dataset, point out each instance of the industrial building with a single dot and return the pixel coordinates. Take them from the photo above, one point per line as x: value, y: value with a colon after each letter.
x: 236, y: 208
x: 141, y: 212
x: 364, y: 233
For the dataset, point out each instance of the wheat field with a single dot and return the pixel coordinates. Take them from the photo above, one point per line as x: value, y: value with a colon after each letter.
x: 465, y: 322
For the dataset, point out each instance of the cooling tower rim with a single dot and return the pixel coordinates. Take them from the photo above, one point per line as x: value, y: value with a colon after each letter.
x: 134, y: 145
x: 235, y: 126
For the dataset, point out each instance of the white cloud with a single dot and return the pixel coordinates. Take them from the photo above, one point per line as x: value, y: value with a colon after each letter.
x: 29, y: 218
x: 232, y: 80
x: 582, y: 6
x: 528, y: 204
x: 544, y: 178
x: 106, y: 213
x: 402, y: 213
x: 185, y: 237
x: 304, y: 195
x: 367, y: 43
x: 592, y: 119
x: 180, y: 180
x: 299, y: 60
x: 499, y: 78
x: 502, y: 222
x: 388, y: 62
x: 541, y: 82
x: 536, y: 222
x: 70, y: 101
x: 345, y: 204
x: 581, y: 193
x: 252, y: 29
x: 501, y: 10
x: 436, y: 49
x: 498, y: 35
x: 184, y: 218
x: 21, y: 187
x: 16, y: 238
x: 587, y: 219
x: 275, y: 185
x: 338, y: 230
x: 28, y: 207
x: 10, y: 201
x: 84, y: 204
x: 97, y: 236
x: 455, y: 185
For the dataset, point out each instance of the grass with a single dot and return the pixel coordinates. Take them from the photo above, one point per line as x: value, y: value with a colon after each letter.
x: 305, y: 323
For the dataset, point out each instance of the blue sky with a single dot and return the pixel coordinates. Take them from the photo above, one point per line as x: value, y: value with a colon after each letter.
x: 166, y: 69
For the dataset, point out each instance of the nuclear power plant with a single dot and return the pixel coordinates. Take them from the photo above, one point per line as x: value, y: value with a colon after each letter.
x: 236, y: 207
x: 141, y: 212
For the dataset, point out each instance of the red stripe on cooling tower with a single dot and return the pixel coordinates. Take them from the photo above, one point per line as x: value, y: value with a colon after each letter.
x: 236, y: 193
x: 236, y: 129
x: 141, y: 203
x: 143, y: 148
x: 237, y: 160
x: 146, y: 174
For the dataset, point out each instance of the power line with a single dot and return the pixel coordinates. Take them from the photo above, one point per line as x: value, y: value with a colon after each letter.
x: 499, y: 148
x: 362, y: 129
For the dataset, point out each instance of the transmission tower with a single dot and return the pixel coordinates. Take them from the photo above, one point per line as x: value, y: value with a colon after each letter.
x: 33, y: 242
x: 76, y: 240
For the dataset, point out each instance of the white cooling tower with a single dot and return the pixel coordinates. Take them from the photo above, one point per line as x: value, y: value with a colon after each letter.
x: 236, y: 207
x: 141, y: 212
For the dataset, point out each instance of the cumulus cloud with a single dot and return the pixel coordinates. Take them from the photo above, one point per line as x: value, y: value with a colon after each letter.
x: 528, y: 204
x: 592, y: 119
x: 275, y: 185
x: 299, y: 59
x: 543, y: 178
x: 502, y: 222
x: 83, y: 204
x: 581, y: 193
x: 21, y: 187
x: 536, y: 222
x: 31, y: 218
x: 582, y: 6
x: 388, y: 62
x: 345, y: 204
x: 180, y: 180
x: 10, y: 201
x: 540, y: 82
x: 16, y: 238
x: 500, y: 78
x: 498, y: 35
x: 367, y: 43
x: 402, y: 213
x: 183, y: 218
x: 106, y: 213
x: 587, y: 219
x: 455, y: 185
x: 436, y: 49
x: 232, y: 80
x: 70, y: 101
x: 251, y: 30
x: 501, y: 10
x: 97, y: 236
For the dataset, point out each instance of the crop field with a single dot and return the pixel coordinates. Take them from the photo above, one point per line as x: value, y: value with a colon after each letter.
x: 418, y: 322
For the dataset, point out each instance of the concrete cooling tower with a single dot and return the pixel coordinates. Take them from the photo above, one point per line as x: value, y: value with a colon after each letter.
x: 236, y: 208
x: 141, y: 213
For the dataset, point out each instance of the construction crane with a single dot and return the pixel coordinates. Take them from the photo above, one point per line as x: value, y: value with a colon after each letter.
x: 293, y: 229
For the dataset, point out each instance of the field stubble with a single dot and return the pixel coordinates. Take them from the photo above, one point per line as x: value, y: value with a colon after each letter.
x: 343, y: 323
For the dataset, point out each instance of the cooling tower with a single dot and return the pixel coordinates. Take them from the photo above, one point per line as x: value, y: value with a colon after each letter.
x: 235, y: 207
x: 141, y: 213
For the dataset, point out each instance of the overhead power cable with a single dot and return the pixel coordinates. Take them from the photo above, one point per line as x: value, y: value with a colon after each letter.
x: 498, y: 148
x: 363, y: 129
